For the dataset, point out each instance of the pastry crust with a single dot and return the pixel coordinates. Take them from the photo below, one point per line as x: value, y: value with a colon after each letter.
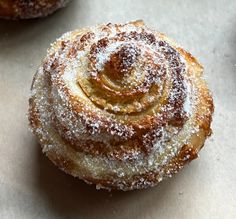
x: 120, y: 105
x: 21, y: 9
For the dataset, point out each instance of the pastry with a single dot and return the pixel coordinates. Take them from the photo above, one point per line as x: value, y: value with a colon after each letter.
x: 22, y: 9
x: 120, y: 105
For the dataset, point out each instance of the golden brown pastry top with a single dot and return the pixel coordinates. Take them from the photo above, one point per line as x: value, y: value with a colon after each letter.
x: 133, y: 86
x: 123, y: 99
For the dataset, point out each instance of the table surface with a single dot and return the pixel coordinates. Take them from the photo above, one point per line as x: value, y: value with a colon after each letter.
x: 32, y: 187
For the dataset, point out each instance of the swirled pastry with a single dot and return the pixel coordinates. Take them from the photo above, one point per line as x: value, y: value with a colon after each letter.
x: 120, y: 105
x: 22, y: 9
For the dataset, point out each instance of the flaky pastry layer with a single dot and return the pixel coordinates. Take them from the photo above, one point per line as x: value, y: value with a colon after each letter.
x: 120, y: 105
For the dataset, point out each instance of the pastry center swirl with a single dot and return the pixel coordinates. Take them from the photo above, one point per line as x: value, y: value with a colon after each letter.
x: 136, y: 77
x: 134, y: 72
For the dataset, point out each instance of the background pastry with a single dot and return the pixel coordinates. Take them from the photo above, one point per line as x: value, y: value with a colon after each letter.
x: 18, y: 9
x: 120, y: 105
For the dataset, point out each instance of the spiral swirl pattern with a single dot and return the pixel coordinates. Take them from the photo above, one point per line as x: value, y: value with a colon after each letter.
x: 120, y: 92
